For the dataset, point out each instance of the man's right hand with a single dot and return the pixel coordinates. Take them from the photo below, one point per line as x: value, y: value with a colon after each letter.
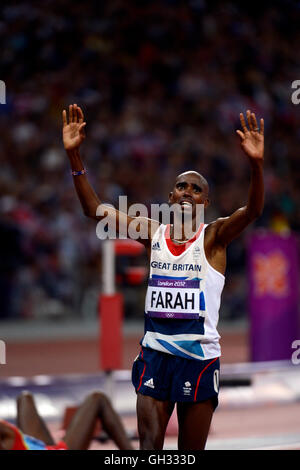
x: 73, y: 133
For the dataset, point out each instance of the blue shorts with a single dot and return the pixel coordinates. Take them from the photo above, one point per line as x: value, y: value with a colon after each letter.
x: 167, y: 377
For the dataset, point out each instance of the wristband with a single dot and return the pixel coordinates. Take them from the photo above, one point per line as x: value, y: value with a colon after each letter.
x: 77, y: 173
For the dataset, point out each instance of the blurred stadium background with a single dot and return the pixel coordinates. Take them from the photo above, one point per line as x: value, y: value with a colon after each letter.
x: 161, y: 84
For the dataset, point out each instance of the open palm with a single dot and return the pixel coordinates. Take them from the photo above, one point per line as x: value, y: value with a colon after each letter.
x: 73, y: 133
x: 252, y: 139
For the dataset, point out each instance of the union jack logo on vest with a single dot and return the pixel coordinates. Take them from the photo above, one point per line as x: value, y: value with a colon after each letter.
x: 156, y: 246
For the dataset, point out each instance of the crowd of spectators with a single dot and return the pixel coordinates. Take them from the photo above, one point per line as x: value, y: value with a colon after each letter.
x: 161, y: 83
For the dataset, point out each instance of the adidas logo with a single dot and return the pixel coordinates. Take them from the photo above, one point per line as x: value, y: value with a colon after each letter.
x: 156, y: 246
x: 149, y: 383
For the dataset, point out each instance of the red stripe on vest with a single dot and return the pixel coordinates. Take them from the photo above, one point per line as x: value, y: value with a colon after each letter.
x: 175, y: 249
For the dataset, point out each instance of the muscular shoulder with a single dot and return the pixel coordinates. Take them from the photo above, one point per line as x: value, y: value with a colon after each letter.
x: 213, y: 228
x: 146, y: 228
x: 150, y: 225
x: 215, y: 253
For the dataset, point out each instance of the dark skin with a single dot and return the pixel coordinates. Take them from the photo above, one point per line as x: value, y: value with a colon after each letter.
x: 191, y: 187
x: 80, y: 430
x: 7, y: 436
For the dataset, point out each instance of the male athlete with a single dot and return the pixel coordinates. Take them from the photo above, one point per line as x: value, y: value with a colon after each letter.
x: 179, y: 358
x: 31, y: 432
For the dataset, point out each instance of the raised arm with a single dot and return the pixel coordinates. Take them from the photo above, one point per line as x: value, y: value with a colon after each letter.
x: 73, y: 136
x: 252, y: 143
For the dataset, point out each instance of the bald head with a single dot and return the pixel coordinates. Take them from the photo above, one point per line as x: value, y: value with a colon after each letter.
x: 197, y: 176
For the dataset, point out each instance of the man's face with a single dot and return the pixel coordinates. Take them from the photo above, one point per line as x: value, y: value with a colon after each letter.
x: 189, y: 190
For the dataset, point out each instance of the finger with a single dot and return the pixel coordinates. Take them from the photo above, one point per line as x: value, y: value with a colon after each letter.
x: 262, y: 127
x: 243, y: 123
x: 75, y: 113
x: 81, y: 128
x: 70, y: 113
x: 241, y: 134
x: 254, y: 122
x: 80, y: 114
x: 249, y: 120
x: 64, y: 118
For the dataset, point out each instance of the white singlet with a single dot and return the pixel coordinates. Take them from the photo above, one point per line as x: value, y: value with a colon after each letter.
x: 183, y: 299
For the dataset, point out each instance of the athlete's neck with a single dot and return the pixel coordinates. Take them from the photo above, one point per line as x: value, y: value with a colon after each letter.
x: 182, y: 233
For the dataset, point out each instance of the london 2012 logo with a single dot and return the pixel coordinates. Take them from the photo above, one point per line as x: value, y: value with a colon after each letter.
x: 270, y: 274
